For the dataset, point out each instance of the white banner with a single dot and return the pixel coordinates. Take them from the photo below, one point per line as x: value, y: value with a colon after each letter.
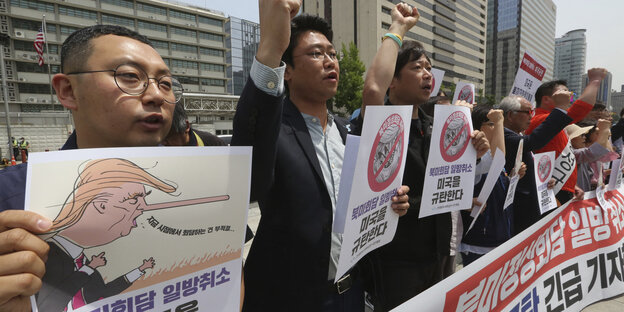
x: 528, y: 78
x: 514, y: 177
x: 368, y: 182
x: 449, y: 178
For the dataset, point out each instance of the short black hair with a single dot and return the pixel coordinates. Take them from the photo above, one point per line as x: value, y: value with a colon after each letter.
x: 547, y: 89
x: 410, y: 51
x: 479, y: 116
x: 178, y: 124
x: 622, y: 112
x: 301, y: 24
x: 77, y: 48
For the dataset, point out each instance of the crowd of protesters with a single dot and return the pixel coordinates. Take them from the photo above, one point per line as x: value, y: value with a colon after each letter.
x: 298, y: 152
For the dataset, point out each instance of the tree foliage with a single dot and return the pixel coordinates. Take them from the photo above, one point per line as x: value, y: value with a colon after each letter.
x: 351, y: 83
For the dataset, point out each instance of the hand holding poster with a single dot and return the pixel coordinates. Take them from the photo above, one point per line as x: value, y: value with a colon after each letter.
x: 464, y: 92
x: 543, y: 168
x: 449, y: 177
x: 145, y: 228
x: 528, y: 78
x: 436, y: 80
x: 364, y: 215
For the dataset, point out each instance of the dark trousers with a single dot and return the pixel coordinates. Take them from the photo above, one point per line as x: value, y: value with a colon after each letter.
x: 350, y: 301
x: 564, y: 196
x: 469, y: 257
x: 399, y: 281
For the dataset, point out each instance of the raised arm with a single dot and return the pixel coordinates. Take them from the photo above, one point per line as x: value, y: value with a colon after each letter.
x: 498, y: 135
x: 578, y: 111
x: 381, y: 71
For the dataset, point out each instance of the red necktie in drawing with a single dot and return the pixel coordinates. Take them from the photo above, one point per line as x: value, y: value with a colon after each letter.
x: 78, y: 299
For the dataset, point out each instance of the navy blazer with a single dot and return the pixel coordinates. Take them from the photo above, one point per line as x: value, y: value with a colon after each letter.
x: 287, y: 266
x: 526, y: 208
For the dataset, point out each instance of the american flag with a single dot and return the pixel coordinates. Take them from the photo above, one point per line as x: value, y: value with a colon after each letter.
x: 39, y: 41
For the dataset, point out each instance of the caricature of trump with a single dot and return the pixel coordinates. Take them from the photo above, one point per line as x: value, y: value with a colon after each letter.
x: 108, y: 197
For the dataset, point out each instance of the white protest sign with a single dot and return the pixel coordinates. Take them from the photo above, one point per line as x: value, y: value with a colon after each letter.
x: 497, y: 165
x: 543, y: 168
x: 513, y: 181
x: 449, y: 177
x: 464, y: 92
x: 615, y: 175
x: 528, y: 78
x: 436, y: 80
x: 565, y: 165
x: 368, y: 221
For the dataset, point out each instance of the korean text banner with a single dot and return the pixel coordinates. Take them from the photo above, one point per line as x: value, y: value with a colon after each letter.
x: 142, y: 229
x: 568, y: 260
x: 528, y: 78
x: 366, y: 192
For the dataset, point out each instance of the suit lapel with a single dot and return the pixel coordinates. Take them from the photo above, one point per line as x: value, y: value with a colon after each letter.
x: 293, y: 118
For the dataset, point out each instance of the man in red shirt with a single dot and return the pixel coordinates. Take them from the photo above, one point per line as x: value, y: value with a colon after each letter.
x: 555, y: 95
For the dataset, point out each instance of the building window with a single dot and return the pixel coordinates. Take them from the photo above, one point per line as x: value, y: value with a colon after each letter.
x: 32, y: 25
x: 212, y: 82
x: 210, y: 21
x: 183, y: 47
x: 188, y: 80
x: 385, y: 25
x: 122, y: 3
x: 182, y: 15
x: 28, y: 46
x: 34, y: 5
x: 151, y: 8
x: 69, y: 11
x: 385, y: 10
x: 34, y: 88
x: 160, y: 44
x: 68, y: 30
x: 35, y: 68
x: 152, y: 26
x: 183, y: 32
x: 212, y: 67
x: 117, y: 20
x: 210, y: 36
x: 183, y: 64
x: 211, y: 52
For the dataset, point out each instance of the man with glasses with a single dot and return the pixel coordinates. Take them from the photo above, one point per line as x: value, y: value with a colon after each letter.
x: 297, y: 159
x: 121, y: 94
x: 518, y: 113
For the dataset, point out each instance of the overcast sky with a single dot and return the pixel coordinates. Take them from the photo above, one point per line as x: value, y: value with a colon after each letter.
x: 603, y: 20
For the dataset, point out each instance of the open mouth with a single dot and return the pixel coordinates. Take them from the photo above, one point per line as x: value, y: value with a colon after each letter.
x: 332, y: 76
x: 153, y: 119
x: 427, y: 87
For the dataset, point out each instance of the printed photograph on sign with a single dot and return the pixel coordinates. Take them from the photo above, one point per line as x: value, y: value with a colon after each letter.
x: 386, y: 153
x: 455, y: 136
x: 543, y: 168
x: 464, y: 92
x: 129, y: 225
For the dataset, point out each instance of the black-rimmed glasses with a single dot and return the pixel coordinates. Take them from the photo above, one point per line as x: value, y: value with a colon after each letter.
x: 133, y: 80
x: 530, y: 112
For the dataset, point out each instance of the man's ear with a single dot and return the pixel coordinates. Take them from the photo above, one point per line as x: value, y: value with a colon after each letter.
x: 188, y: 127
x: 288, y: 73
x: 65, y: 91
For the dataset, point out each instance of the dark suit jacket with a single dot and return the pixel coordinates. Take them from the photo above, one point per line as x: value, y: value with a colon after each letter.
x: 61, y: 282
x: 526, y: 208
x: 287, y: 266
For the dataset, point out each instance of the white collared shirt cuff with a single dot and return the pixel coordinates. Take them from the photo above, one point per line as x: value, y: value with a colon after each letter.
x: 86, y: 269
x: 269, y: 80
x: 563, y: 110
x: 134, y: 275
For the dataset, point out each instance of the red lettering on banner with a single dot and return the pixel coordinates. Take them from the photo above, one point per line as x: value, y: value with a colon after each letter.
x: 583, y: 227
x: 532, y: 67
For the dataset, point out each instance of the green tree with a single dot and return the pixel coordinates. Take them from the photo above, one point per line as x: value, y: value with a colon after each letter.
x: 351, y: 83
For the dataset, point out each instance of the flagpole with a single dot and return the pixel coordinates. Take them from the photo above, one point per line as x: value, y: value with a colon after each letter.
x: 47, y: 58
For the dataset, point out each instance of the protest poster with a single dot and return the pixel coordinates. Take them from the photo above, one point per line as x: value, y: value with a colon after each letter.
x: 528, y: 78
x: 615, y: 178
x: 566, y: 261
x: 514, y: 177
x: 436, y: 80
x: 464, y: 92
x: 565, y: 165
x: 141, y: 229
x: 543, y: 169
x: 449, y: 177
x: 367, y: 187
x: 496, y: 166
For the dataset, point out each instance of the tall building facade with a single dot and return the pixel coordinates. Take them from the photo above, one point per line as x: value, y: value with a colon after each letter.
x: 604, y: 91
x: 515, y: 27
x: 192, y: 41
x: 617, y: 101
x: 242, y: 45
x: 570, y: 54
x: 452, y: 32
